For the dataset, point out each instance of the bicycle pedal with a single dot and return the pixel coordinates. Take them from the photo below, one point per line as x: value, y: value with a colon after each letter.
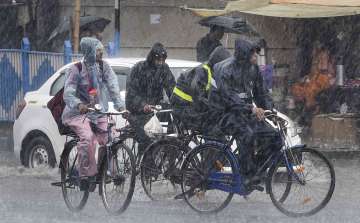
x: 179, y: 197
x: 119, y: 180
x: 57, y: 184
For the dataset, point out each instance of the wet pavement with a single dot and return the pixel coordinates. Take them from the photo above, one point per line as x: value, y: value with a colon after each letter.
x: 27, y: 196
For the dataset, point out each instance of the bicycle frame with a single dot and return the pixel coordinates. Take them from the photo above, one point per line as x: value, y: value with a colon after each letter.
x: 110, y: 140
x: 233, y: 182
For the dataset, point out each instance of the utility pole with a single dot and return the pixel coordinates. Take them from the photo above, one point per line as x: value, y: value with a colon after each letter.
x: 76, y: 23
x: 117, y: 26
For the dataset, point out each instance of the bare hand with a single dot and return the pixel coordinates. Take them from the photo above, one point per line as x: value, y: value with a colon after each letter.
x: 260, y: 113
x: 82, y: 108
x: 147, y: 108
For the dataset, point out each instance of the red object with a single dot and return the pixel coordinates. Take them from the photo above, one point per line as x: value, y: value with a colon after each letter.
x: 92, y: 92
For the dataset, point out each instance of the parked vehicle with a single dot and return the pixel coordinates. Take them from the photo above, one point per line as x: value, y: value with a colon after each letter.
x: 37, y: 141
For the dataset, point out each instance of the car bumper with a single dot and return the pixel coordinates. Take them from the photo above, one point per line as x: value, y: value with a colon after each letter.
x: 18, y: 137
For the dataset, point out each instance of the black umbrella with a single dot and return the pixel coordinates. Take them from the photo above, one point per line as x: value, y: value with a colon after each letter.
x: 230, y: 24
x: 86, y: 23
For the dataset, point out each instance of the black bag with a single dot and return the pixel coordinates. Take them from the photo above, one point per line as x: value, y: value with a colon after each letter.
x: 57, y: 105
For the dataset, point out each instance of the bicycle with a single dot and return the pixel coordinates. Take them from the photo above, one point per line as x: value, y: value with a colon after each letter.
x: 116, y: 172
x: 211, y: 175
x: 128, y: 135
x: 161, y: 162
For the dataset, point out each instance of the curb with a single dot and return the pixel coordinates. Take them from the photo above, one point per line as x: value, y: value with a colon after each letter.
x: 341, y: 154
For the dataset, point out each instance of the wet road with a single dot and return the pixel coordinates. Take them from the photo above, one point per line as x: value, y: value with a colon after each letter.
x: 26, y: 196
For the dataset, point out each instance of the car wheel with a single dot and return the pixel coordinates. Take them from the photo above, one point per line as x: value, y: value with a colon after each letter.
x: 40, y: 153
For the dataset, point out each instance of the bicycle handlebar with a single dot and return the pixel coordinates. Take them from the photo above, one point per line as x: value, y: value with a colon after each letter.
x: 107, y: 113
x: 269, y: 113
x: 158, y: 109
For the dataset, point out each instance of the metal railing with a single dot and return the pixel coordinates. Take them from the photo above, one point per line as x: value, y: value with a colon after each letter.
x: 23, y: 70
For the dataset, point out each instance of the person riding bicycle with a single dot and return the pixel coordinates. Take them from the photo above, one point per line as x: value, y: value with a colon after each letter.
x: 145, y: 86
x: 239, y: 84
x: 190, y: 96
x: 87, y: 83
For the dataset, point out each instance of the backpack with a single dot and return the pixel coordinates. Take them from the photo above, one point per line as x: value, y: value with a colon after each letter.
x: 57, y: 104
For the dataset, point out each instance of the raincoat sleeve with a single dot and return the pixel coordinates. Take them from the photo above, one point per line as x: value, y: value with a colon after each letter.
x: 113, y: 87
x: 261, y: 94
x: 71, y: 82
x: 134, y: 100
x: 169, y: 82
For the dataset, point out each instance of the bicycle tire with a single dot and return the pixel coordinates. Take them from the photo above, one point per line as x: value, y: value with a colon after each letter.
x: 151, y: 168
x: 191, y: 158
x: 301, y: 168
x: 71, y: 182
x: 118, y: 179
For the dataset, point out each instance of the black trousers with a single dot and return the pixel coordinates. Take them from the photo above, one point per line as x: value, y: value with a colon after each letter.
x: 138, y: 122
x: 246, y: 129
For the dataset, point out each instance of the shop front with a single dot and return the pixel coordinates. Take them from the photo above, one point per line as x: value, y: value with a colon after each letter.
x: 323, y: 97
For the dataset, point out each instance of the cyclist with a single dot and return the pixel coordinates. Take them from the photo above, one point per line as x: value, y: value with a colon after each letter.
x: 87, y: 83
x: 239, y: 84
x: 190, y: 96
x: 145, y: 86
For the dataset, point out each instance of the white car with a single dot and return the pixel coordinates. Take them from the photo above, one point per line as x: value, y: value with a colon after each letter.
x: 37, y: 141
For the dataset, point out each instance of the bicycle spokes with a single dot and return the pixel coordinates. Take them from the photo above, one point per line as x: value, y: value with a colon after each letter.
x: 303, y: 187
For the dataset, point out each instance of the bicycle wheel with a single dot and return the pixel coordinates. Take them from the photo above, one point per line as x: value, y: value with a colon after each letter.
x: 201, y: 163
x: 117, y: 179
x: 128, y: 137
x: 306, y: 187
x: 160, y: 169
x: 74, y: 198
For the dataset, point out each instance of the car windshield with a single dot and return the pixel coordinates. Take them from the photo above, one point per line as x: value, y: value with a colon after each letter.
x: 121, y: 73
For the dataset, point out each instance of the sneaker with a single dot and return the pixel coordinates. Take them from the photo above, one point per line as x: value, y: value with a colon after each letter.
x: 92, y: 183
x: 84, y: 185
x: 181, y: 196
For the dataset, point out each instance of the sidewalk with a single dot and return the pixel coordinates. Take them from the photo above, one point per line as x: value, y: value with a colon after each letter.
x: 6, y: 136
x: 341, y: 154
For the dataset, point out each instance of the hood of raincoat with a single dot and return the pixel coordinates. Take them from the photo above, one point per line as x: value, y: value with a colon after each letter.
x: 158, y: 50
x: 243, y: 50
x: 88, y: 46
x: 219, y: 54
